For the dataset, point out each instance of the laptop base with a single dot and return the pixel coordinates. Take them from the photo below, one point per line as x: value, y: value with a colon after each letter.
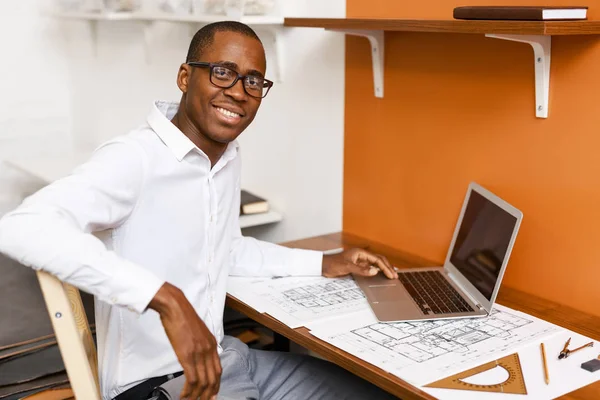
x: 391, y: 302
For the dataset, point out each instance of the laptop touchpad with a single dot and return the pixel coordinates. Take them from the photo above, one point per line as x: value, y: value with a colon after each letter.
x: 382, y: 293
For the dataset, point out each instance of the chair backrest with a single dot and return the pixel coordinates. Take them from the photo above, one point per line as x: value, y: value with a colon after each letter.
x: 73, y: 335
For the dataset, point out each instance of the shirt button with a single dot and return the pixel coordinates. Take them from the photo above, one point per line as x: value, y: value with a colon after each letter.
x: 209, y: 259
x: 211, y: 218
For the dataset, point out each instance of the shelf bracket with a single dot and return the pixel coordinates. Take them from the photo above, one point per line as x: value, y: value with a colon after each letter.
x: 149, y: 27
x: 376, y: 39
x: 94, y: 36
x: 541, y: 51
x: 275, y: 47
x: 278, y: 49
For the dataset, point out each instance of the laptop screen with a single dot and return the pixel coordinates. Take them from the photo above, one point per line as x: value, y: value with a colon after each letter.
x: 482, y: 242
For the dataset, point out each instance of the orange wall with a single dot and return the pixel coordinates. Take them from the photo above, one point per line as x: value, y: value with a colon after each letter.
x: 460, y: 107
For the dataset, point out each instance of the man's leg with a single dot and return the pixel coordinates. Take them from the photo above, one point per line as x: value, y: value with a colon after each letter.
x: 270, y: 375
x: 236, y: 381
x: 297, y: 377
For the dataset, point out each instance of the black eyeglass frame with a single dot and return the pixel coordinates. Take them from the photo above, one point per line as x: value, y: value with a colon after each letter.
x: 268, y: 83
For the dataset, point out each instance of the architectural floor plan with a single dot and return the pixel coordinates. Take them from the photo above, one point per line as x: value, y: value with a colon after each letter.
x: 421, y: 352
x: 323, y: 294
x: 300, y: 301
x: 422, y: 341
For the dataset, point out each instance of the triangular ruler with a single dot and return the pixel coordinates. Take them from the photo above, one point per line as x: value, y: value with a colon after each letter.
x: 515, y: 383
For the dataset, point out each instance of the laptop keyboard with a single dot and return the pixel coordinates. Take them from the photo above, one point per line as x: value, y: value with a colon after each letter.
x: 433, y: 293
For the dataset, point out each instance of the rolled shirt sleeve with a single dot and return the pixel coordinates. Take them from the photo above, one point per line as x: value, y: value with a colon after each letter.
x: 53, y: 229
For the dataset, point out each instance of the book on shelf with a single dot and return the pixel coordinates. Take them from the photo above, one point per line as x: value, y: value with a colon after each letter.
x: 521, y: 13
x: 252, y: 204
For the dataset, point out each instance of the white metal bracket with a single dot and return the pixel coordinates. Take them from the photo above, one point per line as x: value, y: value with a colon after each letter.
x: 279, y: 49
x: 149, y: 27
x: 94, y: 36
x: 275, y: 33
x: 541, y: 51
x: 376, y: 39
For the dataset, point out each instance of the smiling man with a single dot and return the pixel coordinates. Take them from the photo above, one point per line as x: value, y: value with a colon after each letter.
x: 167, y: 196
x: 215, y: 109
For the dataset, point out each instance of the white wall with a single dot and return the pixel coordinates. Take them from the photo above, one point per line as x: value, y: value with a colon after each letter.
x: 34, y: 106
x: 92, y: 85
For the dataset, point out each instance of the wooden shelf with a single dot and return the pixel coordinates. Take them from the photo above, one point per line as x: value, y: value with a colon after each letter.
x: 587, y: 27
x: 538, y: 34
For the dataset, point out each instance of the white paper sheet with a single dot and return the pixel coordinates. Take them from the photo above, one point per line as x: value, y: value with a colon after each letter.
x: 300, y: 301
x: 422, y: 352
x: 240, y: 288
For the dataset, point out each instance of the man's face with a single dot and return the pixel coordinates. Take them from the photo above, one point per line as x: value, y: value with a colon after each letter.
x: 219, y: 114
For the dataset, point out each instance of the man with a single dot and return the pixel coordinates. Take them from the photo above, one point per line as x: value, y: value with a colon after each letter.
x: 167, y: 198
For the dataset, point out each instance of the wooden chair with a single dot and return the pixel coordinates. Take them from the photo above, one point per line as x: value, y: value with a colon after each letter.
x: 73, y: 335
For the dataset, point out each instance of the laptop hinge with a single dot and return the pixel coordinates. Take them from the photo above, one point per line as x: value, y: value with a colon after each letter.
x: 466, y: 293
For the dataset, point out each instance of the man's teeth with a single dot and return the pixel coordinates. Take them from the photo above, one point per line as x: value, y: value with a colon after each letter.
x: 227, y: 112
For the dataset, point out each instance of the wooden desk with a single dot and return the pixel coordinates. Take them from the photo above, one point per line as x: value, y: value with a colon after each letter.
x: 570, y: 318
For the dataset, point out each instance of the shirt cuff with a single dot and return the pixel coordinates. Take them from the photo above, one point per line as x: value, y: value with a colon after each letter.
x: 134, y: 287
x: 305, y: 263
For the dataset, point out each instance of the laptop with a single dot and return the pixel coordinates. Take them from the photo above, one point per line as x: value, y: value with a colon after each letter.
x: 467, y: 284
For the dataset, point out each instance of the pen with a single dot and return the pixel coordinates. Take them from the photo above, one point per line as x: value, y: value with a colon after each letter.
x: 546, y: 376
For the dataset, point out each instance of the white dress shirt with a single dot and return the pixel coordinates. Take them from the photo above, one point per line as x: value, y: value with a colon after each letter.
x: 164, y: 215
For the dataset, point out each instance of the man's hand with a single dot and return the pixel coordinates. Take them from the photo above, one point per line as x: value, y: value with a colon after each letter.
x: 194, y: 344
x: 357, y: 261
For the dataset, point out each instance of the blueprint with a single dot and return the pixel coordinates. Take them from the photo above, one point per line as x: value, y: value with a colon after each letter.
x: 422, y: 352
x: 300, y: 301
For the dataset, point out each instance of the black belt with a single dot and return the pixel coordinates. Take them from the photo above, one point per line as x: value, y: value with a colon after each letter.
x: 141, y: 391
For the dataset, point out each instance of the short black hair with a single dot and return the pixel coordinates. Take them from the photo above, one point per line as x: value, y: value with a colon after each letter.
x: 205, y: 36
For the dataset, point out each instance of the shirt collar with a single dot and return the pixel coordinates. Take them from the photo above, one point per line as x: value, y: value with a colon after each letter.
x: 159, y: 119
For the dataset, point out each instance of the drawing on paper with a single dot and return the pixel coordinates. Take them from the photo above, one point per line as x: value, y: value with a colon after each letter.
x: 421, y: 352
x: 324, y: 294
x: 422, y: 341
x: 315, y: 297
x: 301, y: 300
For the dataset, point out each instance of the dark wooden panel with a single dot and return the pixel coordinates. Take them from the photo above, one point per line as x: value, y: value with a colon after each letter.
x: 452, y: 26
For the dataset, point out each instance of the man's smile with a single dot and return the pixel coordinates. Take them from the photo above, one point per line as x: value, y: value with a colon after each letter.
x: 229, y: 114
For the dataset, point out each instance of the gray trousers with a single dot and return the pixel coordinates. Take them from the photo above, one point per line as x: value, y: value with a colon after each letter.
x: 270, y: 375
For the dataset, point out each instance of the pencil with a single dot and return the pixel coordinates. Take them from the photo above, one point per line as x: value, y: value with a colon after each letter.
x: 546, y: 376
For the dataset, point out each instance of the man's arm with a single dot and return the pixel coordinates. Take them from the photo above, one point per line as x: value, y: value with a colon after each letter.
x: 52, y: 230
x: 252, y: 257
x: 194, y: 344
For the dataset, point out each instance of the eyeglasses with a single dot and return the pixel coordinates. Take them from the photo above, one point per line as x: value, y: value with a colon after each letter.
x: 225, y: 78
